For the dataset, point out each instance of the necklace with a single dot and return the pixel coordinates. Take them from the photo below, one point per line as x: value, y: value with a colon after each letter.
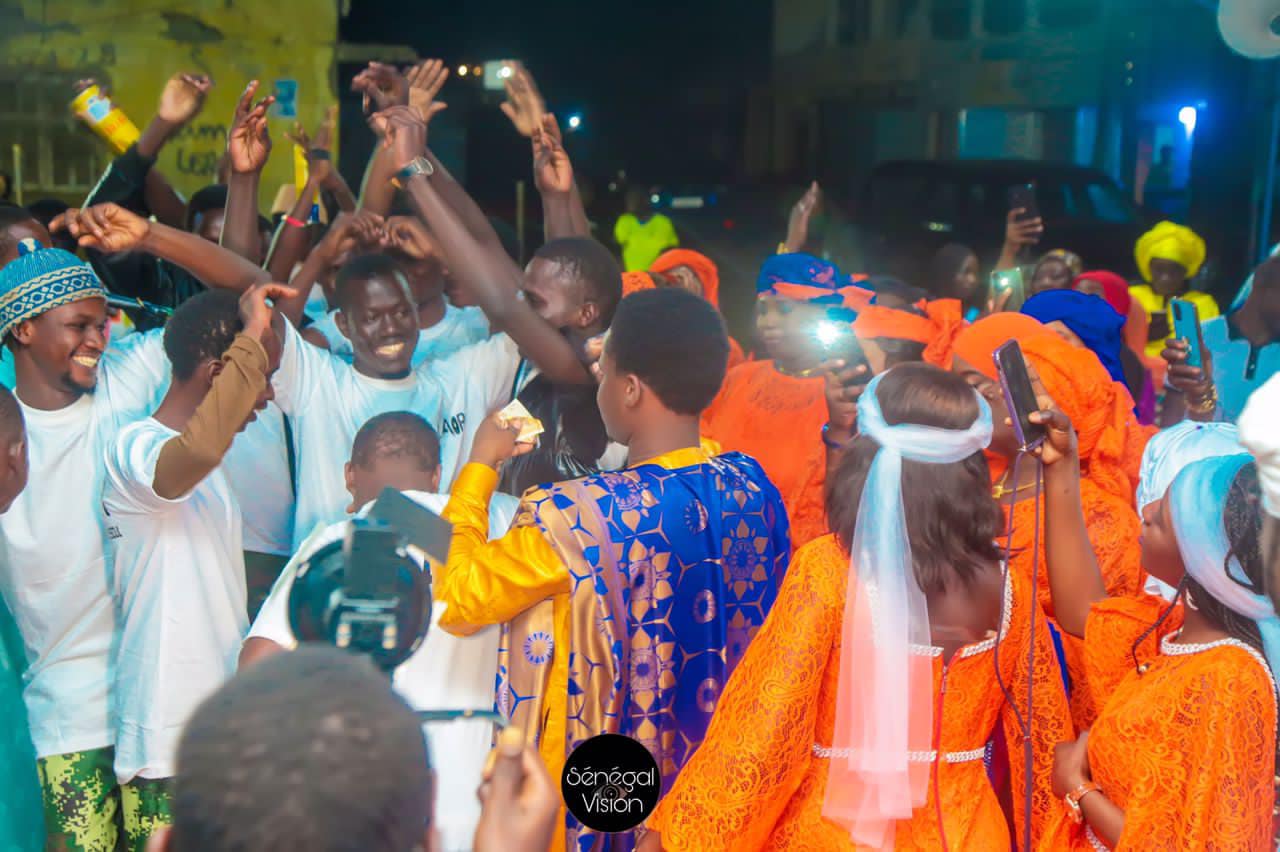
x: 1000, y: 490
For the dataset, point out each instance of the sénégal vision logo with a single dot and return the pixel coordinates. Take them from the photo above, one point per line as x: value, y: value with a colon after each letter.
x: 611, y: 783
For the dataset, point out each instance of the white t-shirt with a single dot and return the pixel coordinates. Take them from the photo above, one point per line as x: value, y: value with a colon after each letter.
x: 257, y: 467
x: 446, y: 673
x: 179, y: 589
x: 458, y: 327
x: 328, y: 401
x: 54, y: 568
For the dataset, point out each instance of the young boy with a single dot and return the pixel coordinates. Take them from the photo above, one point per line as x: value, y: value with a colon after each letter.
x: 627, y: 598
x: 75, y: 396
x: 174, y: 526
x: 400, y: 450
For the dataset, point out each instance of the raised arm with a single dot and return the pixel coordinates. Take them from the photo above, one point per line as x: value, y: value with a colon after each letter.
x: 1075, y: 580
x: 248, y: 147
x: 347, y: 233
x: 801, y: 214
x: 110, y: 228
x: 185, y: 460
x: 562, y: 209
x: 483, y: 268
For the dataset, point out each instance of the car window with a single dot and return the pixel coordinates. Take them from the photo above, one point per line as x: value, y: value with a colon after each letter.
x: 1107, y: 203
x: 914, y: 198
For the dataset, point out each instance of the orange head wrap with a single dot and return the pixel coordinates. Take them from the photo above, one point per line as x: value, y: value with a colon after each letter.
x: 943, y: 319
x: 633, y: 282
x: 1111, y: 441
x: 701, y: 265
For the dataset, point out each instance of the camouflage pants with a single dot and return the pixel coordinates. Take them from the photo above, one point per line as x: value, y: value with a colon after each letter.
x: 85, y: 809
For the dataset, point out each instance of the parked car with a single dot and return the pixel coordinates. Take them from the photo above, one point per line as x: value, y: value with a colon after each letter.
x: 910, y: 208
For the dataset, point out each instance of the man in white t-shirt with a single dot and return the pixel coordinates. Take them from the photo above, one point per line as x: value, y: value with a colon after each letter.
x: 174, y: 526
x: 443, y: 328
x: 76, y: 395
x: 400, y: 450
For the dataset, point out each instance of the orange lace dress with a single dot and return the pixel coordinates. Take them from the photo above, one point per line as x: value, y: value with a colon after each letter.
x: 777, y: 420
x: 1187, y: 748
x: 758, y: 780
x: 1113, y: 529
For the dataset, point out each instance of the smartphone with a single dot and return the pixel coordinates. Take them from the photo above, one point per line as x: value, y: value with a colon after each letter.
x: 1186, y: 326
x: 1013, y: 281
x: 1019, y: 395
x: 1023, y: 197
x: 837, y: 340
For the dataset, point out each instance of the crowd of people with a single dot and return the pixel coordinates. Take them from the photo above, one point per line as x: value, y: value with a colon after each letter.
x: 819, y: 574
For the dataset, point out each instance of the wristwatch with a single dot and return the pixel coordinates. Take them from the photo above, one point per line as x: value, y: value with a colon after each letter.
x: 1073, y: 799
x: 416, y: 166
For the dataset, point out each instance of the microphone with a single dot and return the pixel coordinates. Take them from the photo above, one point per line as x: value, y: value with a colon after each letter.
x: 126, y: 303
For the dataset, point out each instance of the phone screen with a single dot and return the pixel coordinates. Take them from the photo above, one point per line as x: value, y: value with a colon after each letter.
x: 1011, y: 281
x: 1023, y: 197
x: 1186, y: 326
x: 1019, y: 395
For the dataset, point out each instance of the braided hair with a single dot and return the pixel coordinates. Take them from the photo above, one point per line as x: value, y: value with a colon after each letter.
x: 1242, y: 519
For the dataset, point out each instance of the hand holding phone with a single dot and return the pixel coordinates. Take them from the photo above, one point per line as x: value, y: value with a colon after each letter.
x: 1186, y: 327
x: 1023, y: 197
x: 1008, y: 290
x: 1019, y: 395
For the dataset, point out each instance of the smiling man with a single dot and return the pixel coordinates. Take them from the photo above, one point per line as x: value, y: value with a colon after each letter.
x: 76, y: 395
x: 175, y: 531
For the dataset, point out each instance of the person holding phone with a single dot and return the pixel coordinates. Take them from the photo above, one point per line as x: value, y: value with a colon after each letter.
x: 1238, y: 354
x: 773, y: 409
x: 774, y: 770
x: 1111, y: 444
x: 1188, y: 685
x: 1168, y: 257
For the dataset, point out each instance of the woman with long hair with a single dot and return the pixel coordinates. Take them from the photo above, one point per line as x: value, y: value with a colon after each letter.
x: 897, y: 647
x: 1183, y: 752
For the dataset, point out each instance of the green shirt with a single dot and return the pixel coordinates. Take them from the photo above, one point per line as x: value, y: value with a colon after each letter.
x: 642, y: 242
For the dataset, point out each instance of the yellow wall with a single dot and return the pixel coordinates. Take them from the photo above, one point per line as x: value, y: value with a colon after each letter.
x: 135, y: 45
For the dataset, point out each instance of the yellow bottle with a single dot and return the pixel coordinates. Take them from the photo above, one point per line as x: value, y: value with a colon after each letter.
x: 301, y: 171
x: 106, y: 119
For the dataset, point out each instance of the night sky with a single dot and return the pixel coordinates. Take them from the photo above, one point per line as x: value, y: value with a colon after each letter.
x: 646, y: 77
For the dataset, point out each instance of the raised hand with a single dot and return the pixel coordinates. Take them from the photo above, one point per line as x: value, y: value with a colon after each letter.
x: 317, y: 148
x: 255, y: 313
x: 801, y: 213
x: 1196, y: 383
x: 1060, y: 436
x: 350, y: 231
x: 524, y: 105
x: 183, y: 98
x: 404, y: 133
x: 382, y: 85
x: 552, y: 171
x: 425, y: 81
x: 519, y: 802
x: 842, y: 386
x: 1019, y: 233
x: 249, y: 143
x: 410, y: 237
x: 105, y: 227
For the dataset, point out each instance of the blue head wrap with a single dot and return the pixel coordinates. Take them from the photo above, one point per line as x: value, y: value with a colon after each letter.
x: 41, y: 279
x: 1089, y: 317
x: 1197, y: 501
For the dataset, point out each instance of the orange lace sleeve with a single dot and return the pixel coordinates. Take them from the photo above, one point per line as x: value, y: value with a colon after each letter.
x: 1114, y: 528
x: 1050, y: 717
x: 759, y: 743
x: 809, y: 509
x: 1110, y: 631
x: 1210, y: 768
